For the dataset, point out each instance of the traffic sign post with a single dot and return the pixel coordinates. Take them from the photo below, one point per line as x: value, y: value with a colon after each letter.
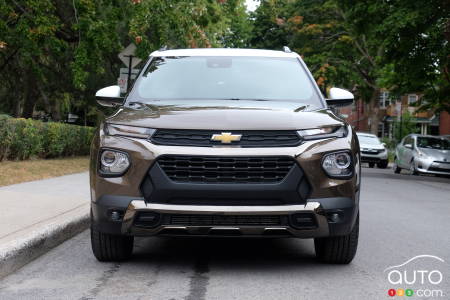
x: 130, y: 60
x: 123, y: 79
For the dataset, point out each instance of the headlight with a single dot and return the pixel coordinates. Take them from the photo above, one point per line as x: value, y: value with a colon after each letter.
x: 423, y: 155
x: 323, y: 133
x: 113, y: 163
x: 338, y: 164
x: 131, y: 131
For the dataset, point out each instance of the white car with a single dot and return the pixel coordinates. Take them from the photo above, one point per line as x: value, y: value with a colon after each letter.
x: 373, y: 150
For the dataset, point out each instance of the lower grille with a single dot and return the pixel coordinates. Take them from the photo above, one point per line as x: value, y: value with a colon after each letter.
x: 221, y: 220
x: 225, y: 169
x: 437, y: 169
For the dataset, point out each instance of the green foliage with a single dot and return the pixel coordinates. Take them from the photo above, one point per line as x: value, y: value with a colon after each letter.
x: 365, y: 45
x: 61, y: 51
x: 404, y: 127
x: 417, y: 46
x: 25, y: 138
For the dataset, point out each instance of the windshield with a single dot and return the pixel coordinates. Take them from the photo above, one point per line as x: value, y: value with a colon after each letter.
x: 226, y: 78
x: 433, y: 143
x: 368, y: 140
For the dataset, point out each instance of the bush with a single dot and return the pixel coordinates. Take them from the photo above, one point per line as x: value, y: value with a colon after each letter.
x: 25, y: 138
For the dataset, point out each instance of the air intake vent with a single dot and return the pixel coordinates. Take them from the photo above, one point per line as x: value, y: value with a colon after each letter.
x: 220, y: 220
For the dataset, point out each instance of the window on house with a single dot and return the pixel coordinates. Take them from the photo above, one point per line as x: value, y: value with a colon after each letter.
x: 384, y: 99
x: 412, y: 99
x: 380, y: 129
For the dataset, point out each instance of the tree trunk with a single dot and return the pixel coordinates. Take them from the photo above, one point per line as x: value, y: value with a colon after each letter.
x: 31, y: 96
x: 374, y: 112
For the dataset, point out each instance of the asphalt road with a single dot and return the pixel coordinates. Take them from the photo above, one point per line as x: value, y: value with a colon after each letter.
x: 402, y: 216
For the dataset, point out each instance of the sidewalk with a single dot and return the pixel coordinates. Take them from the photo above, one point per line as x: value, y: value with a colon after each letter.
x: 36, y: 216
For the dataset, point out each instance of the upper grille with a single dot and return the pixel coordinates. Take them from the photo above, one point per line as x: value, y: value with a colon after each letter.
x: 225, y: 169
x: 223, y: 220
x: 372, y: 151
x: 202, y: 138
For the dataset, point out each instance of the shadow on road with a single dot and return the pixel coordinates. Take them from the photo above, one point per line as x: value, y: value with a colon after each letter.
x: 234, y: 252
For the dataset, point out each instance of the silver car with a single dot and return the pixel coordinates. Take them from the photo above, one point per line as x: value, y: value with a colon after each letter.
x: 423, y: 154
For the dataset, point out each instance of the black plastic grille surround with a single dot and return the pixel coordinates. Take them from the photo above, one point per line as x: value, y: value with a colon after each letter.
x: 212, y: 169
x: 250, y: 138
x: 374, y: 151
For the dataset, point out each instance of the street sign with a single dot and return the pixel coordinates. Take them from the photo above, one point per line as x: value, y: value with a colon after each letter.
x: 122, y: 81
x: 127, y: 55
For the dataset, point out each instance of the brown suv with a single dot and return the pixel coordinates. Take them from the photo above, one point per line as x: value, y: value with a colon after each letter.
x: 225, y: 142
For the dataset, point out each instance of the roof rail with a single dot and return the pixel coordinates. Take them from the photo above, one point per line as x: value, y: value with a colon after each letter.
x: 286, y: 49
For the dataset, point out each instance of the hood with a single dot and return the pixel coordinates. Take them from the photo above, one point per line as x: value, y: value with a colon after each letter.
x: 224, y: 114
x: 436, y: 154
x: 371, y: 146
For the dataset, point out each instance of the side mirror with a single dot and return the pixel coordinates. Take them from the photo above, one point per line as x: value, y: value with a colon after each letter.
x: 109, y: 96
x: 340, y: 97
x: 409, y: 146
x: 384, y: 144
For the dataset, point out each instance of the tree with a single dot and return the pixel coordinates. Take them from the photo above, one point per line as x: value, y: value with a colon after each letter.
x: 335, y: 39
x: 417, y: 47
x: 59, y: 52
x: 365, y: 45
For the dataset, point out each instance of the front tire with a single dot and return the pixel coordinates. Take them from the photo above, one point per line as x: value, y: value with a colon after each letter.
x: 108, y: 247
x: 413, y: 169
x: 338, y: 249
x: 396, y: 168
x: 371, y: 165
x: 383, y: 164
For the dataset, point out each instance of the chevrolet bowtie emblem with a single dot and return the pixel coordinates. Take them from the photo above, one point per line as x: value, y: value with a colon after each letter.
x: 226, y: 137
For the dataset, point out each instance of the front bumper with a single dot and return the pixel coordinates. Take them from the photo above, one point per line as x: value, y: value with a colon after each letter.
x: 429, y: 166
x: 320, y: 217
x: 365, y: 157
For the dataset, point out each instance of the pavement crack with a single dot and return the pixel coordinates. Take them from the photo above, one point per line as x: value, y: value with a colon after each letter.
x: 199, y: 281
x: 101, y: 282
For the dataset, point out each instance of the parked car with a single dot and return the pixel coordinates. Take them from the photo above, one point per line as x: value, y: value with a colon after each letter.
x: 225, y: 142
x: 423, y: 154
x: 373, y: 150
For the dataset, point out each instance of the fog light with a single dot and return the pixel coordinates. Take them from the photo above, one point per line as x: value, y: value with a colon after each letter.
x: 333, y: 217
x: 116, y: 215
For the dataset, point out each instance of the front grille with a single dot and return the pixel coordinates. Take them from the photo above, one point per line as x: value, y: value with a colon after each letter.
x: 221, y: 220
x: 250, y: 138
x: 371, y: 152
x: 226, y: 169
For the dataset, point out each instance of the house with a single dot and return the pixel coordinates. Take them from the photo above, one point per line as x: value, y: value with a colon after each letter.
x: 390, y: 112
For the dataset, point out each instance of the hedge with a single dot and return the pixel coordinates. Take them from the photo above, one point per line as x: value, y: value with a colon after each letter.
x: 24, y: 138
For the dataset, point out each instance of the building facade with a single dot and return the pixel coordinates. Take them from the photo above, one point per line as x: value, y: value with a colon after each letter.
x: 390, y: 114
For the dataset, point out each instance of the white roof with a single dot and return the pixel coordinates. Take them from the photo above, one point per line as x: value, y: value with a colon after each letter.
x: 223, y: 52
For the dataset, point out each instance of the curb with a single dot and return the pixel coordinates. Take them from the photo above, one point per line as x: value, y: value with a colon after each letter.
x: 19, y: 252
